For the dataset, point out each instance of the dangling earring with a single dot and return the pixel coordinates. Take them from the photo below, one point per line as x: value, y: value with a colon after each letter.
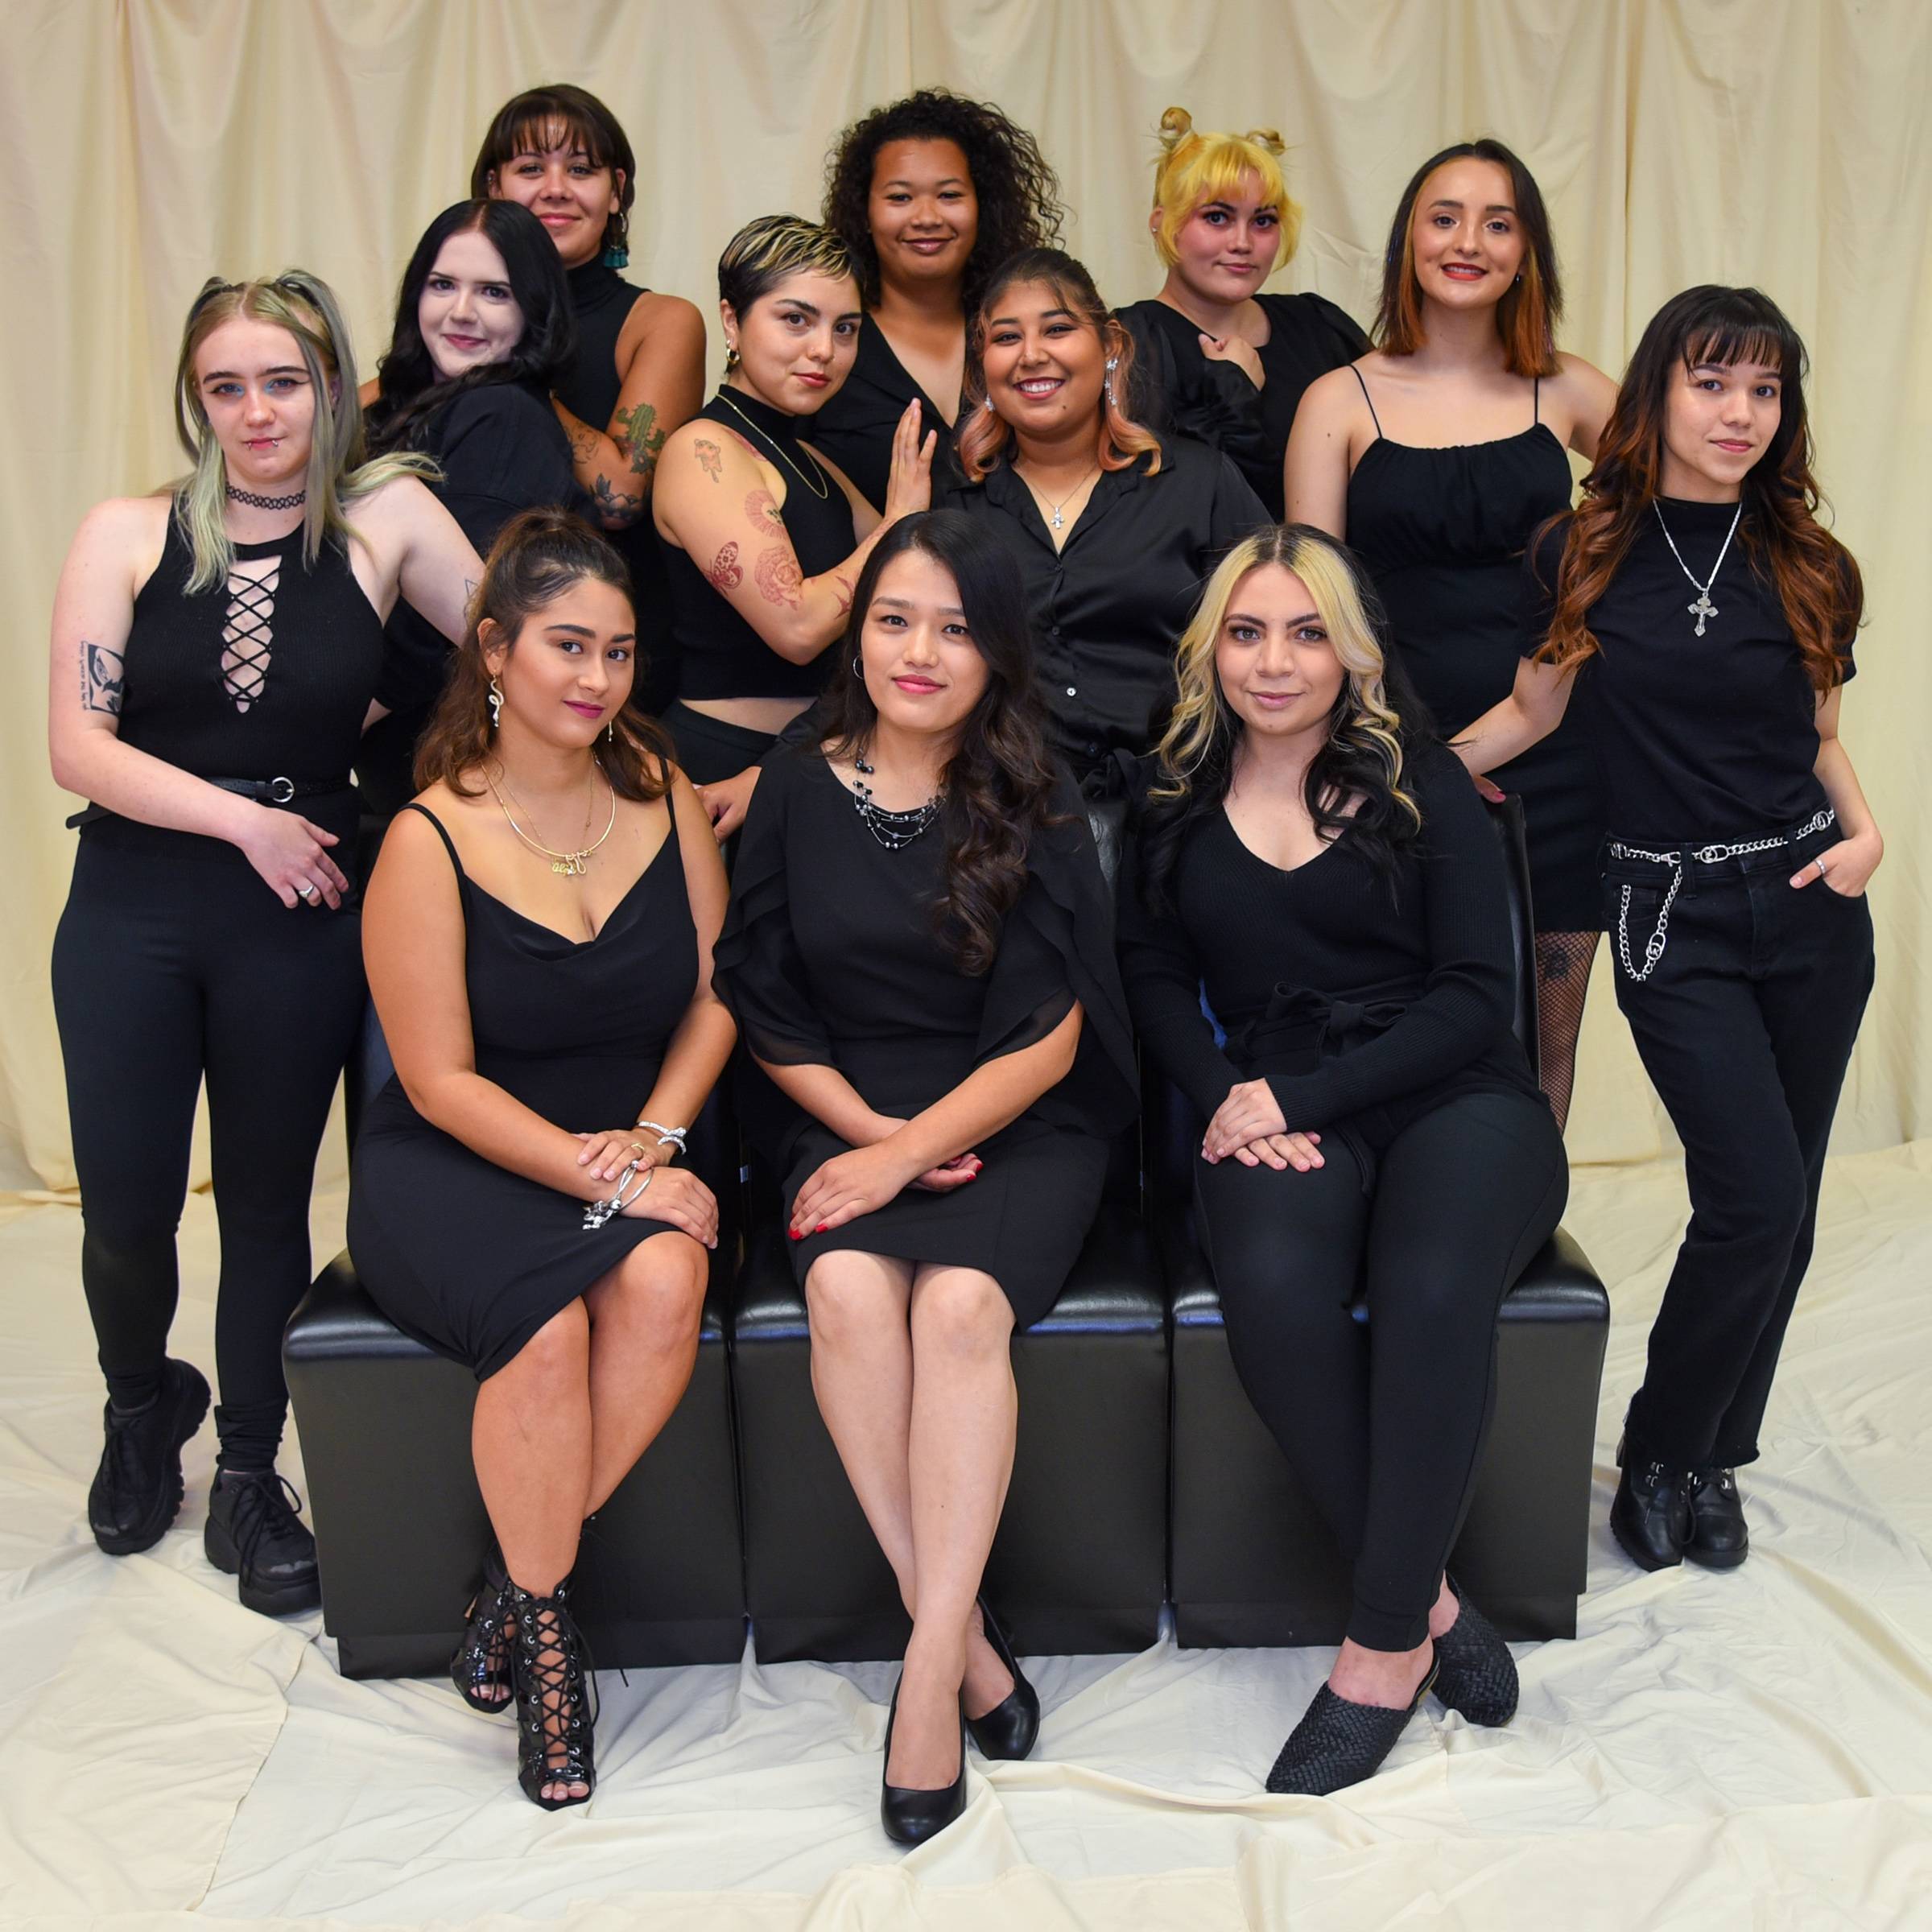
x: 1113, y: 362
x: 731, y: 356
x: 496, y: 704
x: 610, y: 733
x: 988, y: 406
x: 616, y: 256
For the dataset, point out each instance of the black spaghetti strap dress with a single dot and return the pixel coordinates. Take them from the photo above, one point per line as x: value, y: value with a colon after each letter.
x: 830, y: 956
x: 1443, y: 533
x: 467, y: 1257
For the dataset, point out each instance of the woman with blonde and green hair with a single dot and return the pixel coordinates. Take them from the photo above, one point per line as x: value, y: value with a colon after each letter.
x: 1311, y: 858
x: 216, y: 652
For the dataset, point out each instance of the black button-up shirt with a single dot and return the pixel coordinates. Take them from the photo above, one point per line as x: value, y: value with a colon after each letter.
x: 1109, y: 608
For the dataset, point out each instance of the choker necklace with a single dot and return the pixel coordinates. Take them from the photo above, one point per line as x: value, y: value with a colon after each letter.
x: 1704, y: 607
x: 893, y: 830
x: 573, y: 864
x: 822, y: 490
x: 256, y: 502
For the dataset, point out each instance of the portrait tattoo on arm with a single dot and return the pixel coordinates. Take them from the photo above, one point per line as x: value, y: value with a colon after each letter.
x: 638, y: 426
x: 710, y: 459
x: 780, y: 580
x: 101, y: 673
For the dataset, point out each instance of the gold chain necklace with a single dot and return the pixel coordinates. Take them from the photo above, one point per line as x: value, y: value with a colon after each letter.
x: 571, y: 864
x: 822, y: 491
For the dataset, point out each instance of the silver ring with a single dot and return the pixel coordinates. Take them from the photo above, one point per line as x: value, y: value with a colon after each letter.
x: 1820, y: 865
x: 305, y: 890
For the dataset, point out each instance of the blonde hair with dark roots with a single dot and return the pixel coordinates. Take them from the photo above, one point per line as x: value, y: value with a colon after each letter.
x: 339, y: 470
x: 1195, y: 168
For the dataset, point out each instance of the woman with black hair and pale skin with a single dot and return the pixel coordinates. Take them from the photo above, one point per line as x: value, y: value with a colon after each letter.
x: 483, y: 326
x: 919, y: 954
x: 763, y: 538
x: 1435, y: 457
x: 1312, y: 862
x: 1699, y: 612
x: 929, y: 194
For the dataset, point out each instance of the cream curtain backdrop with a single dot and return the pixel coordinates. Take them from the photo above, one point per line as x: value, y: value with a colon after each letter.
x: 148, y: 142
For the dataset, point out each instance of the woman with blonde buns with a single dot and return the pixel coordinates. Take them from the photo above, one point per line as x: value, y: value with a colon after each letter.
x: 1226, y: 363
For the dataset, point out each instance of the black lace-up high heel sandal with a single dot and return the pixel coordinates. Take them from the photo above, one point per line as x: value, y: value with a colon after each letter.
x: 556, y: 1698
x: 481, y: 1669
x: 1011, y: 1727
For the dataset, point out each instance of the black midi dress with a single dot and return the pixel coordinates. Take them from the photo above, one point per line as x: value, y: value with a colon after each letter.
x: 830, y: 956
x: 467, y: 1257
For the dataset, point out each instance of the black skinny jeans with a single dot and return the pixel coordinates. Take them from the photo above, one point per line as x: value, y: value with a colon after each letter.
x: 166, y: 972
x: 1434, y: 1215
x: 1745, y: 1027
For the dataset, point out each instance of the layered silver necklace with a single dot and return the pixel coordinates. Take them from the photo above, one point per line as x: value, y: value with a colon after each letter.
x: 1703, y: 608
x: 893, y: 830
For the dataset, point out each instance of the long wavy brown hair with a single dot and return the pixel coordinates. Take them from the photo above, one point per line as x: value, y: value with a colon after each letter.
x: 998, y: 784
x: 537, y: 557
x: 1120, y: 439
x: 1817, y: 581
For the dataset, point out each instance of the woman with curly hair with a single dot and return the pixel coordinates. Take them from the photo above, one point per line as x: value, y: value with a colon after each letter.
x: 930, y: 194
x: 918, y: 955
x: 1704, y: 617
x: 1311, y: 858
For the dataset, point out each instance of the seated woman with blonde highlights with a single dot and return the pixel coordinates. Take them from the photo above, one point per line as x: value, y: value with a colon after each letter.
x: 538, y: 936
x: 1311, y: 859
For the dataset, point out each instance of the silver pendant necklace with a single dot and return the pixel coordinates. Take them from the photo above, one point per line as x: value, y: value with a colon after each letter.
x: 1703, y: 608
x: 893, y: 830
x: 1056, y: 520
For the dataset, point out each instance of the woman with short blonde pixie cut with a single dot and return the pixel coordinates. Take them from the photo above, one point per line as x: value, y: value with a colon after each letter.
x: 1310, y: 856
x: 1223, y: 361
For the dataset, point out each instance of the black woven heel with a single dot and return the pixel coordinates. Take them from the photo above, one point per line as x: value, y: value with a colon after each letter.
x: 556, y: 1697
x: 1475, y: 1674
x: 481, y: 1663
x: 1338, y: 1743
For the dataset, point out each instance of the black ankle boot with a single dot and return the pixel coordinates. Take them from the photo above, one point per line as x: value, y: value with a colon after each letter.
x: 1338, y: 1743
x: 481, y: 1669
x: 911, y: 1814
x: 1011, y: 1727
x: 1719, y: 1538
x: 137, y: 1489
x: 1476, y: 1675
x: 254, y: 1533
x: 1650, y: 1513
x: 556, y: 1690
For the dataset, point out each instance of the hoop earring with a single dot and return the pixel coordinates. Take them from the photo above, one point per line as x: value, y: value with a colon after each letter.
x: 731, y: 357
x: 496, y: 704
x: 858, y: 667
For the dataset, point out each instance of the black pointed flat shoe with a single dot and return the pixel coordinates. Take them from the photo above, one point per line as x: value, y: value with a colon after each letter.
x: 1719, y: 1538
x: 1011, y: 1727
x: 1475, y: 1674
x: 1650, y: 1513
x: 1338, y: 1743
x: 910, y: 1814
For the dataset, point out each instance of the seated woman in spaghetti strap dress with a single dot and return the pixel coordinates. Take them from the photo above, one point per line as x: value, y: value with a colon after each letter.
x: 1704, y: 616
x: 483, y: 325
x: 1312, y: 856
x: 764, y: 539
x: 919, y: 953
x: 537, y: 936
x: 1223, y: 362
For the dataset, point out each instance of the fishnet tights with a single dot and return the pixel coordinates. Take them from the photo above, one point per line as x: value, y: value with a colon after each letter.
x: 1562, y: 982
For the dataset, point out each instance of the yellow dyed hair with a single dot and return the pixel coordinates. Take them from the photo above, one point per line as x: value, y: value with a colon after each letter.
x: 1197, y: 169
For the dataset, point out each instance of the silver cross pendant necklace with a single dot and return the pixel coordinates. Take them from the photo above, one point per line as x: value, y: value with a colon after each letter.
x: 1703, y: 608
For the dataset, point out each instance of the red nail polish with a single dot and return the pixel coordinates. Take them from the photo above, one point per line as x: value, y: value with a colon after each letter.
x: 793, y: 1234
x: 822, y: 1226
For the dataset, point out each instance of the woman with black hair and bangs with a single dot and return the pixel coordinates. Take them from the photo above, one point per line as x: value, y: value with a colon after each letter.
x: 930, y: 194
x: 919, y: 954
x: 1704, y: 619
x: 1307, y: 855
x: 483, y: 326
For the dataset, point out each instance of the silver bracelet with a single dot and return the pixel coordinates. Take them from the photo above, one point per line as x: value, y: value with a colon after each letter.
x: 668, y: 1137
x: 596, y: 1213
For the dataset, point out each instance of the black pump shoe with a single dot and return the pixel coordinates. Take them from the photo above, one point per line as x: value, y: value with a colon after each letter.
x: 1476, y: 1675
x: 1338, y: 1743
x: 481, y: 1665
x: 1650, y: 1513
x: 556, y: 1689
x: 1719, y: 1538
x: 1011, y: 1727
x: 256, y: 1535
x: 137, y: 1489
x: 911, y: 1815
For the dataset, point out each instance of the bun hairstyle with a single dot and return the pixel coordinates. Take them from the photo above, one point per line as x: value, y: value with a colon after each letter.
x: 537, y: 557
x: 1194, y: 168
x: 541, y: 118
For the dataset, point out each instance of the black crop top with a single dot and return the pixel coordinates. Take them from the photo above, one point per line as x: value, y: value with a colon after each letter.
x: 720, y: 655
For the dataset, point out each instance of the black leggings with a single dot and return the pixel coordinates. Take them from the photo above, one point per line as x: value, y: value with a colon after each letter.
x: 165, y: 971
x: 1384, y: 1422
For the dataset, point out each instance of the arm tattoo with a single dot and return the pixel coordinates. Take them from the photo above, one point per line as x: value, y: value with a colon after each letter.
x: 583, y: 444
x: 710, y: 459
x: 617, y: 509
x: 841, y: 589
x: 763, y: 509
x: 102, y: 675
x: 638, y: 426
x: 780, y: 580
x: 725, y: 573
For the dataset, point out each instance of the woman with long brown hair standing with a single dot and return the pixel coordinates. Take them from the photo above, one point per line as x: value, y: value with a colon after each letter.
x: 1704, y: 618
x: 1435, y: 457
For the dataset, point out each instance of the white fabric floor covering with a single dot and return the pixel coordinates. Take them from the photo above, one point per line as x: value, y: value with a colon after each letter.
x: 1752, y: 1750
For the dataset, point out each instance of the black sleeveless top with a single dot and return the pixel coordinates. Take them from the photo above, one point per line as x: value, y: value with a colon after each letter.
x: 720, y: 655
x: 269, y: 675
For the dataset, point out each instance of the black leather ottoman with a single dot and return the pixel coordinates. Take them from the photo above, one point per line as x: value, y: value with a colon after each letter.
x: 399, y: 1525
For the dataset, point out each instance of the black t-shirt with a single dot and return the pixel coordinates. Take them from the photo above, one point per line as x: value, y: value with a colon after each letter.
x: 1700, y: 738
x: 1108, y: 607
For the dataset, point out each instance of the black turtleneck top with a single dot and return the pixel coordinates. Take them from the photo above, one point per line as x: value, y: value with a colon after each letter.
x: 720, y: 655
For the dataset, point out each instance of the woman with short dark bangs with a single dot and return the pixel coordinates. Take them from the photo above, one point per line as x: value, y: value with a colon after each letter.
x: 930, y: 194
x: 1703, y: 617
x: 919, y: 954
x: 1435, y: 457
x: 483, y: 327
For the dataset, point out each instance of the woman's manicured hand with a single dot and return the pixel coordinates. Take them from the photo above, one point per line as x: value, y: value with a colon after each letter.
x: 1845, y: 867
x: 855, y: 1182
x: 679, y: 1200
x: 1249, y: 1126
x: 608, y: 1154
